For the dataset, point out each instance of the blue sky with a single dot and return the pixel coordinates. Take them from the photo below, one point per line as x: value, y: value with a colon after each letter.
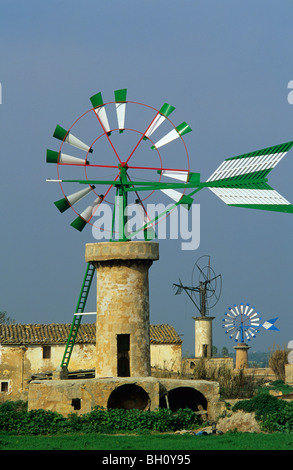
x: 225, y: 66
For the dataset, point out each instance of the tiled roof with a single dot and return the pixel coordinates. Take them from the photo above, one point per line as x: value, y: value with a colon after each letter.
x: 164, y: 334
x: 54, y: 333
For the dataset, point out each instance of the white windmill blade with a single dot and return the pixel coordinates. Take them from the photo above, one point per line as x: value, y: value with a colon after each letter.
x: 230, y: 316
x: 236, y: 308
x: 237, y: 335
x: 252, y: 332
x: 254, y: 315
x: 56, y: 157
x: 80, y: 222
x: 179, y: 131
x: 175, y: 174
x: 68, y: 201
x: 232, y: 311
x: 120, y: 103
x: 99, y: 108
x: 250, y: 312
x: 164, y: 112
x: 62, y: 134
x: 178, y: 197
x: 246, y: 309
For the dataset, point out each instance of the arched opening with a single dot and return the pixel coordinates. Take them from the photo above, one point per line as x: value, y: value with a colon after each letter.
x: 184, y: 397
x: 129, y: 396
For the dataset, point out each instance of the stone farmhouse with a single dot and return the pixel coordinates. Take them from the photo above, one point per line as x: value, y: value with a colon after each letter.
x: 30, y: 351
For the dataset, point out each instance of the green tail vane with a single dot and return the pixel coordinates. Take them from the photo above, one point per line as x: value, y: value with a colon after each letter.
x: 241, y: 181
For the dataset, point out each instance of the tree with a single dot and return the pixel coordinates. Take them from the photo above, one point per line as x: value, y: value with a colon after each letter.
x: 225, y: 352
x: 5, y: 319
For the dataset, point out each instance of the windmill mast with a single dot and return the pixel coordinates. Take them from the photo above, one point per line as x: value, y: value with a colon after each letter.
x: 204, y: 296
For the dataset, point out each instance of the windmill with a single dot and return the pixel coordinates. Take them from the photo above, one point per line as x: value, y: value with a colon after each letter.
x: 242, y: 323
x: 206, y: 287
x: 204, y: 293
x: 142, y: 170
x: 118, y: 158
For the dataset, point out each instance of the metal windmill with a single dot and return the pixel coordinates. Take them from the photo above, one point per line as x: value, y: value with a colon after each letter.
x: 136, y: 171
x: 206, y: 287
x: 242, y: 323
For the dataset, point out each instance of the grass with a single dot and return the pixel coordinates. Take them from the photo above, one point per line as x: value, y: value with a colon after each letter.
x: 149, y: 442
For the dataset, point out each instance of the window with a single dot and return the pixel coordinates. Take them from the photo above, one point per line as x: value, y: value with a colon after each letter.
x: 4, y: 386
x: 205, y: 350
x: 46, y: 352
x: 76, y: 403
x: 123, y: 346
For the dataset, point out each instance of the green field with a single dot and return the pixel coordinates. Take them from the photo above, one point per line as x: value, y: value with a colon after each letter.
x: 149, y: 442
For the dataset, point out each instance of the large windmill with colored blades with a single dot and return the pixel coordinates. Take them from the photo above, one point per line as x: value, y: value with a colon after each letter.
x: 112, y: 172
x: 122, y: 153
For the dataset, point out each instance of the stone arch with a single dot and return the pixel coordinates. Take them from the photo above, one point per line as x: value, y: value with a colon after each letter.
x: 183, y: 397
x: 129, y: 396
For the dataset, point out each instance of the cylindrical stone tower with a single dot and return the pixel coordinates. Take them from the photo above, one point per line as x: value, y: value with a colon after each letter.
x: 122, y: 324
x: 203, y: 336
x: 241, y: 356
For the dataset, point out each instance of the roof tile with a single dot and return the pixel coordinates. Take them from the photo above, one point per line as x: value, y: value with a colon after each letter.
x: 55, y: 333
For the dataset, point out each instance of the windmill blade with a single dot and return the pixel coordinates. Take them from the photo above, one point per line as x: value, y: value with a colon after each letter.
x: 179, y: 131
x: 179, y: 287
x: 62, y: 134
x: 232, y: 311
x: 80, y: 222
x: 56, y: 157
x: 164, y: 112
x: 99, y: 108
x: 68, y: 201
x: 178, y: 197
x: 241, y: 181
x: 120, y: 103
x: 175, y: 174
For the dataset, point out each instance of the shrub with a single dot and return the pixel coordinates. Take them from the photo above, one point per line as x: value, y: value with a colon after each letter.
x: 277, y: 363
x: 273, y: 413
x: 15, y: 418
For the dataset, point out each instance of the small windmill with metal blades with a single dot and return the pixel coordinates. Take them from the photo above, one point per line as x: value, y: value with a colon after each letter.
x: 204, y: 293
x: 242, y: 323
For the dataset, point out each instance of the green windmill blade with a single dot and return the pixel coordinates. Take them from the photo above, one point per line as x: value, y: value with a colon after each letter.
x: 174, y: 134
x: 100, y: 111
x: 66, y: 136
x: 162, y: 115
x: 120, y: 104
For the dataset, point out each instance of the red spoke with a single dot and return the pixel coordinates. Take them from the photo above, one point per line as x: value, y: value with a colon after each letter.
x: 109, y: 140
x: 141, y: 139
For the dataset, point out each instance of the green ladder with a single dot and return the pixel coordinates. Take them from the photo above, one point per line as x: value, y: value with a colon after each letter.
x: 88, y: 277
